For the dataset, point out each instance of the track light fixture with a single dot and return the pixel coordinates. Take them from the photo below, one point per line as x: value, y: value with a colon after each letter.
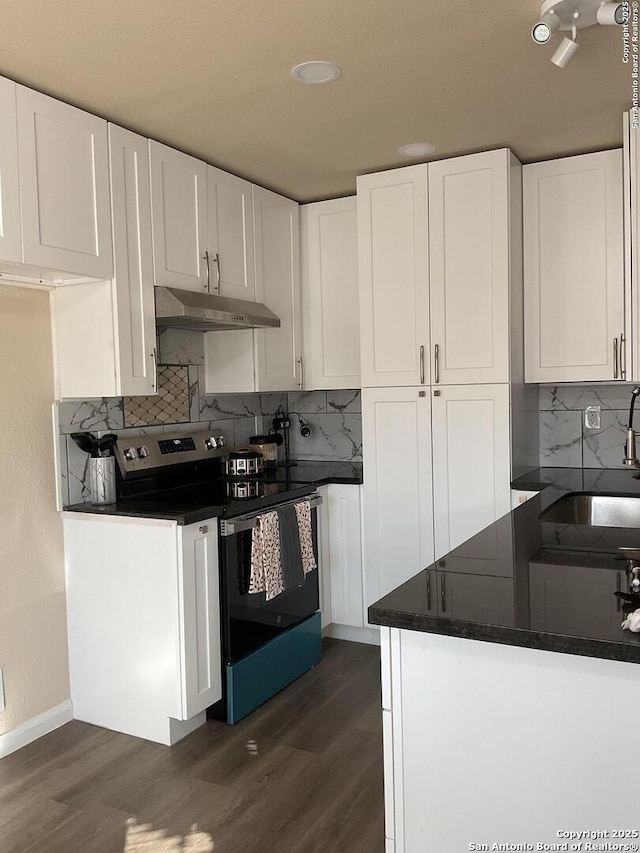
x: 566, y: 51
x: 574, y: 15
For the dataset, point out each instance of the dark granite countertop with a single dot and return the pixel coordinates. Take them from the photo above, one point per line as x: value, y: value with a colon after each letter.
x: 182, y: 508
x: 528, y: 582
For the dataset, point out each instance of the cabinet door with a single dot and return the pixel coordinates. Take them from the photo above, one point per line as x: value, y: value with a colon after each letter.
x: 469, y: 268
x: 277, y: 256
x: 397, y: 499
x: 476, y: 598
x: 179, y: 216
x: 330, y: 312
x: 471, y: 461
x: 200, y: 618
x: 230, y: 235
x: 574, y: 282
x: 64, y: 187
x: 394, y: 277
x: 576, y: 600
x: 631, y: 158
x: 345, y: 556
x: 133, y: 262
x: 10, y: 232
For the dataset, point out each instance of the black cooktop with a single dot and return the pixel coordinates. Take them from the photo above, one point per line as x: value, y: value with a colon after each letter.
x: 218, y: 496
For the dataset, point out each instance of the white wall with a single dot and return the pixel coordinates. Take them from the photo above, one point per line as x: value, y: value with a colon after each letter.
x: 33, y: 642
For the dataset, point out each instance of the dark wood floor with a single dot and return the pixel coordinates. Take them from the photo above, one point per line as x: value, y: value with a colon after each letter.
x: 303, y: 774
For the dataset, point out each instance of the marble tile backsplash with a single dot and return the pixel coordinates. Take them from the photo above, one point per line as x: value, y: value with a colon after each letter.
x: 565, y: 440
x: 334, y: 417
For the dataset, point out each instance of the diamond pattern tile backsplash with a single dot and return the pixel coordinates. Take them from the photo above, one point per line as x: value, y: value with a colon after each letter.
x: 170, y: 406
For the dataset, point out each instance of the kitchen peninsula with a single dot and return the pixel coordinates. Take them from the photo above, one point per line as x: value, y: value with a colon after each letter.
x: 509, y: 686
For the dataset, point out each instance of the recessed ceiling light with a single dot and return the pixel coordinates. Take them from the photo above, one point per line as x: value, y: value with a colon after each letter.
x: 316, y: 71
x: 416, y: 149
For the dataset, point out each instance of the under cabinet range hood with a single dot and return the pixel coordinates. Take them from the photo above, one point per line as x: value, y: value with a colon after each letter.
x: 207, y: 312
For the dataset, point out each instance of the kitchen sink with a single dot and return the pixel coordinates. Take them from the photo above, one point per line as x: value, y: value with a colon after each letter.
x: 595, y: 510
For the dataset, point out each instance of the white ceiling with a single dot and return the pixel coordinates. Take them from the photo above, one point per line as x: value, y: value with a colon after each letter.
x: 212, y: 77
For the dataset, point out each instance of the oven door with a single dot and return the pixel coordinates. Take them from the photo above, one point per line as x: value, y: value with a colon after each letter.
x: 248, y: 619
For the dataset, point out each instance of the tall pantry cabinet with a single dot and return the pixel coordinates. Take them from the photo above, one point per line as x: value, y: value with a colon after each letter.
x: 441, y: 329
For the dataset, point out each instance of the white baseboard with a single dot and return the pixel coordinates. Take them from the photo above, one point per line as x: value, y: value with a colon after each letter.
x: 35, y: 728
x: 353, y: 634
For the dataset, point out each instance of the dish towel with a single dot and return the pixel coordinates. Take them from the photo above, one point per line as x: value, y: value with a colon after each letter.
x: 290, y: 548
x: 266, y: 561
x: 303, y: 512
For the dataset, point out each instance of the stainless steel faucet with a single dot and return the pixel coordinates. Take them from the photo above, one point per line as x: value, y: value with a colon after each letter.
x: 630, y: 452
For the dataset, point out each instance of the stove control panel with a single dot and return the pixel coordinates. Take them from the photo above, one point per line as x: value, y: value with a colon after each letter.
x: 135, y: 456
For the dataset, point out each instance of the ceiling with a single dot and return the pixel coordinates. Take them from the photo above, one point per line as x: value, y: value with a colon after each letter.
x: 212, y: 77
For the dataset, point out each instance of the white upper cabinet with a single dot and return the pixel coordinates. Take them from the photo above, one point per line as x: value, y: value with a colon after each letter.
x: 230, y: 235
x: 202, y: 226
x: 104, y: 331
x: 179, y: 208
x: 277, y: 257
x: 133, y: 262
x: 574, y: 278
x: 394, y: 277
x: 330, y: 313
x: 64, y: 187
x: 10, y: 231
x: 471, y: 461
x: 469, y: 241
x: 397, y: 513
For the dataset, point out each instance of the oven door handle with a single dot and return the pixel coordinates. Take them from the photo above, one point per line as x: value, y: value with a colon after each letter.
x: 230, y: 526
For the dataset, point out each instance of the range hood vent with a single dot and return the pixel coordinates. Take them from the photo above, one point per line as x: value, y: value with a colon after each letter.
x: 206, y: 312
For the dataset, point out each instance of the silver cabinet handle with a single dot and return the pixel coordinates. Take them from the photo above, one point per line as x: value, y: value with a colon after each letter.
x: 623, y: 357
x: 203, y: 529
x: 615, y: 358
x: 301, y: 363
x: 428, y: 590
x: 443, y: 594
x: 436, y: 362
x: 154, y: 358
x: 422, y: 365
x: 218, y: 272
x: 207, y: 287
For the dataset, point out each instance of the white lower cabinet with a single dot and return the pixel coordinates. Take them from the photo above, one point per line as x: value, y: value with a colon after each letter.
x: 397, y: 491
x: 471, y: 461
x: 345, y: 555
x: 199, y: 611
x: 341, y: 563
x: 437, y: 471
x: 460, y: 710
x: 143, y: 623
x: 104, y: 332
